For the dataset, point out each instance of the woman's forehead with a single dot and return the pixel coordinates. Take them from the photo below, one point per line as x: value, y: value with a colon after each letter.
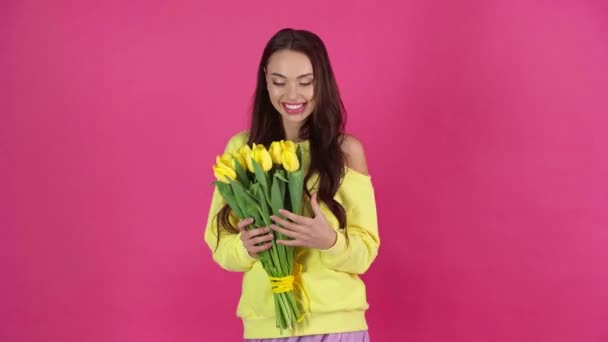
x: 289, y: 64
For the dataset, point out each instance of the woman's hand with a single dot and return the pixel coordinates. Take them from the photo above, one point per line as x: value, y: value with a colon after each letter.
x: 305, y: 231
x: 251, y: 238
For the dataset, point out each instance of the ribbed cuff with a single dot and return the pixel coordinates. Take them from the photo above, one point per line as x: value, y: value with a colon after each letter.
x: 338, y: 248
x: 242, y: 251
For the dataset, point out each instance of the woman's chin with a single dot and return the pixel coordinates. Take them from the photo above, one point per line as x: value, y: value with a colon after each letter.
x: 295, y: 118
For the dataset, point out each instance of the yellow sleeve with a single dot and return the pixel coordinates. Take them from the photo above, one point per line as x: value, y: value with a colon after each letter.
x: 359, y: 202
x: 230, y: 254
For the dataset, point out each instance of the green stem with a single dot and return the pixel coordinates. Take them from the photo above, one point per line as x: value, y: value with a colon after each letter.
x: 290, y: 252
x: 267, y: 263
x: 275, y: 258
x: 284, y: 304
x: 294, y: 305
x: 281, y: 321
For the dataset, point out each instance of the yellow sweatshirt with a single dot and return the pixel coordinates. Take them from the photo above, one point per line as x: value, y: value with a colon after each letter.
x: 330, y: 277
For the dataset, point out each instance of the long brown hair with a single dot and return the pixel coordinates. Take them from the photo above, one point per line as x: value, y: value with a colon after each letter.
x: 324, y: 127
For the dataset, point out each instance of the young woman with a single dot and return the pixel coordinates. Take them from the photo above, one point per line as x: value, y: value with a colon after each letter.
x: 297, y: 99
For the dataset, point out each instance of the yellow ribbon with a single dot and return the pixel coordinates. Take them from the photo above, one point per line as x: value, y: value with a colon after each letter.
x: 289, y: 283
x: 282, y: 284
x: 305, y: 300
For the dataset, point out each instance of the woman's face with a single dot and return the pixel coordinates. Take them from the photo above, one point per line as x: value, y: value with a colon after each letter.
x: 289, y: 79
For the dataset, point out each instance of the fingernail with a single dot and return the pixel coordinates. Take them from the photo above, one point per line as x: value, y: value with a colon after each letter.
x: 281, y: 211
x: 267, y: 229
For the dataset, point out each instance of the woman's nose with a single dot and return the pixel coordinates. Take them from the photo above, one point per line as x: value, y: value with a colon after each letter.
x: 292, y: 92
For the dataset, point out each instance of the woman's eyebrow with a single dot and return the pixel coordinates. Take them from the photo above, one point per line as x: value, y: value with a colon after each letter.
x: 283, y: 76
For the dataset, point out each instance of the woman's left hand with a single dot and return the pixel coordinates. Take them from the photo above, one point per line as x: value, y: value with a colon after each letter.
x: 305, y: 231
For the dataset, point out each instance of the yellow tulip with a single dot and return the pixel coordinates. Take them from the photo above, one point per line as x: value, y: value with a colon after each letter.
x: 289, y: 145
x: 241, y: 160
x: 243, y: 156
x: 262, y: 157
x: 240, y: 156
x: 225, y: 159
x: 290, y: 161
x: 276, y: 149
x: 223, y: 173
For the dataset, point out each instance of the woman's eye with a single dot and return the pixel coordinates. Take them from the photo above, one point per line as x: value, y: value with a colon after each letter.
x: 306, y: 84
x: 278, y: 84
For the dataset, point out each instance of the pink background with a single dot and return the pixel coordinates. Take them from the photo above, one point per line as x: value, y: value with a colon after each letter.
x: 485, y: 129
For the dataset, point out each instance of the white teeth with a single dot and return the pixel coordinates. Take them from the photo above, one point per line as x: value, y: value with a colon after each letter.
x: 294, y: 107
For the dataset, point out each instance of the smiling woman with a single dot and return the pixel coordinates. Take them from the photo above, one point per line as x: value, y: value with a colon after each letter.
x: 336, y: 238
x: 290, y: 86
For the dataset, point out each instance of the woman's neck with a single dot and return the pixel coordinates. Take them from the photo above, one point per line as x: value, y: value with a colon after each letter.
x: 292, y: 132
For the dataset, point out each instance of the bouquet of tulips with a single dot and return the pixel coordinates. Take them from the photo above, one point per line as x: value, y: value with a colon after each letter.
x: 257, y: 183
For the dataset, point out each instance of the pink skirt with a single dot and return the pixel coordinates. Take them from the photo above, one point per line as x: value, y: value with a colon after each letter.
x: 355, y: 336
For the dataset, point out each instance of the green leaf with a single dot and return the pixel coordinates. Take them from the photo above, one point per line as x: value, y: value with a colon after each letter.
x: 280, y: 174
x: 253, y: 189
x: 264, y: 211
x: 296, y: 185
x: 262, y: 178
x: 296, y: 188
x: 276, y: 197
x: 260, y: 175
x: 282, y: 186
x: 241, y: 174
x: 253, y: 210
x: 228, y: 195
x: 246, y: 202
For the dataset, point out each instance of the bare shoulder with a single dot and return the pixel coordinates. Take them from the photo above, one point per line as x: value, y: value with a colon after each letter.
x: 355, y: 154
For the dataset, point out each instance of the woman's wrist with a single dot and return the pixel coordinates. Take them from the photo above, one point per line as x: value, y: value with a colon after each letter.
x: 332, y: 239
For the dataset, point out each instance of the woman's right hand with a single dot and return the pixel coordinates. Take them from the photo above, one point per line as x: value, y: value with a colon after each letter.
x: 251, y: 238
